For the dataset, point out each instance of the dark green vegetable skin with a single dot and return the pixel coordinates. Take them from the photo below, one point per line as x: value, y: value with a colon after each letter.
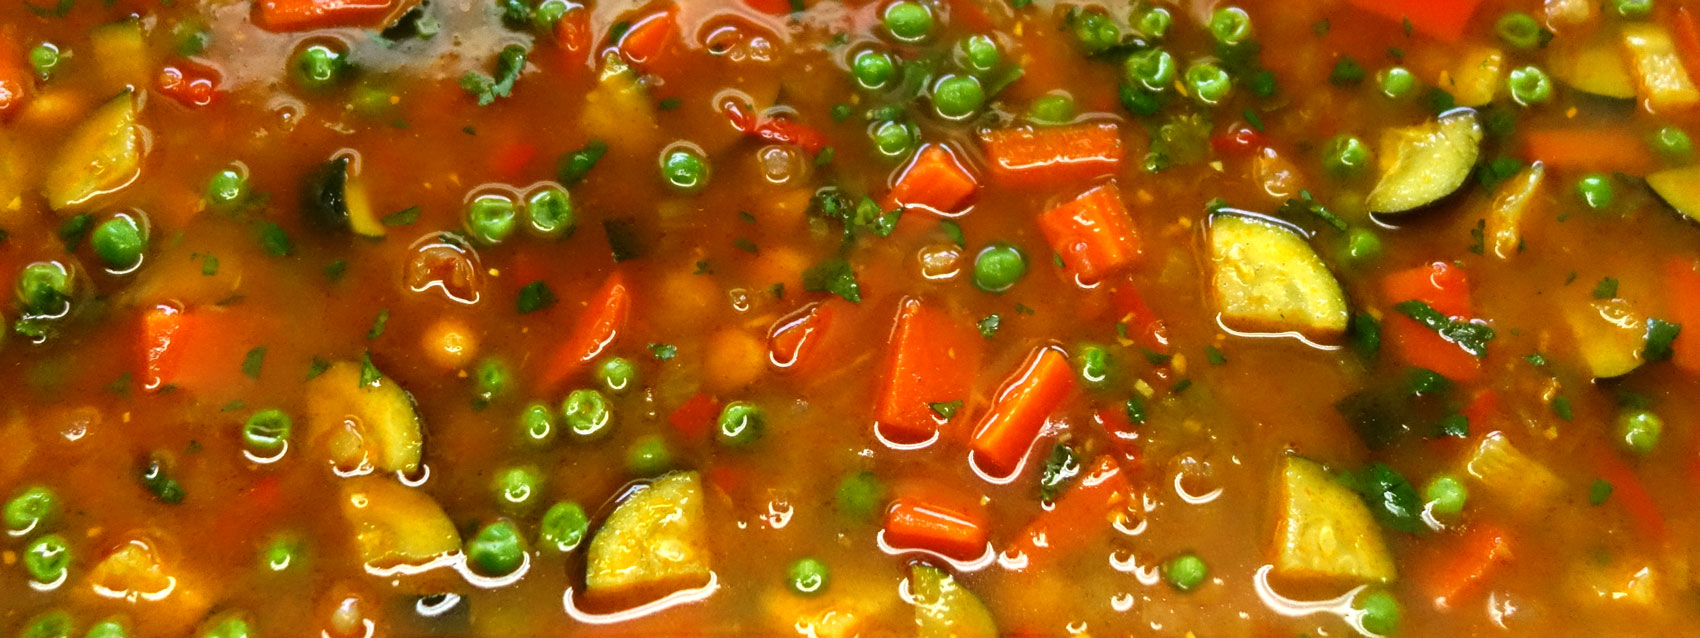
x: 325, y: 199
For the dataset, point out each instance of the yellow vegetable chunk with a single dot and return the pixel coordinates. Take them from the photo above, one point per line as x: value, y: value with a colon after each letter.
x: 1478, y: 77
x: 620, y: 103
x: 1269, y: 279
x: 1663, y: 83
x: 943, y: 609
x: 1597, y: 67
x: 359, y: 425
x: 135, y: 572
x: 103, y: 154
x: 1513, y: 479
x: 1422, y: 164
x: 1511, y: 205
x: 1679, y: 188
x: 395, y: 525
x: 121, y: 50
x: 1324, y: 531
x: 654, y: 543
x: 1610, y: 336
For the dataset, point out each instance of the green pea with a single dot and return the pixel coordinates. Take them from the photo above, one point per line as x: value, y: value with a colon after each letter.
x: 53, y: 624
x: 228, y: 190
x: 587, y: 414
x: 1185, y: 572
x: 491, y: 380
x: 1595, y: 190
x: 318, y: 67
x: 740, y: 424
x: 957, y: 96
x: 563, y: 527
x: 550, y: 211
x: 32, y: 509
x: 1673, y: 143
x: 119, y: 242
x: 1092, y: 364
x: 1362, y: 246
x: 44, y: 289
x: 1346, y: 156
x: 808, y: 576
x: 1152, y: 69
x: 1529, y: 86
x: 861, y: 495
x: 47, y: 557
x: 908, y: 21
x: 1052, y: 110
x: 1519, y: 30
x: 1095, y: 31
x: 517, y: 488
x: 979, y: 54
x: 266, y: 433
x: 109, y: 628
x: 1445, y: 495
x: 537, y: 424
x: 893, y: 139
x: 648, y: 456
x: 45, y: 58
x: 548, y: 14
x: 231, y: 625
x: 1397, y: 82
x: 281, y: 553
x: 1631, y: 9
x: 998, y: 267
x: 684, y: 169
x: 618, y: 374
x: 497, y: 549
x: 1639, y: 431
x: 1378, y: 612
x: 1230, y: 25
x: 1153, y: 22
x: 491, y: 218
x: 1209, y: 82
x: 872, y: 69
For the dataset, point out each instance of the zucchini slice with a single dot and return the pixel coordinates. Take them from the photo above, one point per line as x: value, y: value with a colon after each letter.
x: 943, y: 609
x: 1269, y: 279
x: 359, y: 425
x: 654, y: 543
x: 1324, y: 530
x: 1610, y: 336
x: 1512, y: 478
x: 336, y: 200
x: 1422, y: 164
x: 1597, y: 68
x: 102, y: 155
x: 1679, y: 188
x: 395, y: 525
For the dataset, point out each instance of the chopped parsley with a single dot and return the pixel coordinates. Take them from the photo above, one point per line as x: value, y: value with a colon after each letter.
x: 535, y: 296
x: 487, y: 89
x: 253, y: 361
x: 1472, y: 337
x: 378, y: 324
x: 835, y: 276
x: 663, y: 351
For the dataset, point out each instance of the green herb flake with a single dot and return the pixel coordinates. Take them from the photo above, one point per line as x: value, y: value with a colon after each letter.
x: 378, y: 324
x: 1606, y: 289
x: 275, y: 240
x: 209, y: 265
x: 487, y: 89
x: 535, y: 296
x: 336, y: 269
x: 1599, y: 492
x: 834, y: 276
x: 1061, y: 468
x: 989, y: 325
x: 317, y: 367
x: 1561, y: 407
x: 253, y: 361
x: 947, y: 409
x: 1389, y: 496
x: 369, y: 374
x: 663, y: 351
x: 953, y: 230
x: 402, y: 217
x: 575, y: 165
x: 1214, y: 355
x: 1472, y: 337
x: 1660, y: 335
x: 1135, y: 408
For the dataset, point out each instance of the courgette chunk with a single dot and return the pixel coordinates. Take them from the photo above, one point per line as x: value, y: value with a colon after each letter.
x: 136, y: 572
x: 1596, y: 68
x: 336, y: 200
x: 1324, y: 531
x: 102, y: 155
x: 619, y: 102
x: 395, y: 525
x: 1511, y: 205
x: 1478, y: 77
x: 1610, y: 336
x: 358, y: 425
x: 1511, y: 478
x: 1422, y: 164
x: 1269, y: 279
x: 1679, y: 188
x: 943, y: 609
x: 1662, y: 81
x: 654, y: 543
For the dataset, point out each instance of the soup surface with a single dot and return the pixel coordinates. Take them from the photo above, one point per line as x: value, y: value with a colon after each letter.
x: 837, y: 318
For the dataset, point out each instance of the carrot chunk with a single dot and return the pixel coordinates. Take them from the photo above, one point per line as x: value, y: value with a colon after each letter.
x: 795, y: 340
x: 1682, y: 287
x: 192, y: 350
x: 935, y: 180
x: 1595, y: 149
x: 1442, y: 20
x: 1092, y: 233
x: 1080, y: 516
x: 1007, y: 432
x: 596, y: 329
x: 1045, y: 156
x: 1441, y: 285
x: 913, y: 524
x: 304, y: 15
x: 1457, y: 571
x: 931, y: 360
x: 695, y: 417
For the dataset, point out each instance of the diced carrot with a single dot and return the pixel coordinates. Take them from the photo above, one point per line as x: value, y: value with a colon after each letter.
x: 1629, y: 493
x: 917, y: 525
x: 1686, y: 31
x: 1441, y: 285
x: 1682, y: 292
x: 1594, y: 148
x: 1241, y: 141
x: 1045, y: 156
x: 304, y: 15
x: 1458, y: 568
x: 192, y: 350
x: 191, y: 85
x: 935, y: 180
x: 794, y: 340
x: 572, y: 33
x: 1442, y: 20
x: 1482, y: 409
x: 932, y: 359
x: 771, y: 7
x: 510, y: 158
x: 1124, y: 436
x: 1419, y: 346
x: 1080, y: 516
x: 648, y: 43
x: 969, y: 15
x: 596, y: 329
x: 1143, y: 326
x: 15, y: 79
x: 695, y: 416
x: 1092, y: 233
x: 780, y: 129
x: 1007, y: 432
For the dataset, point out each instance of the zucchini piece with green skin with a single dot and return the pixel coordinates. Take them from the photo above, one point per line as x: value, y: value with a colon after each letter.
x: 1324, y: 531
x: 359, y: 425
x: 336, y: 200
x: 102, y: 155
x: 1597, y: 68
x: 944, y: 609
x: 1268, y: 279
x: 1423, y: 164
x: 1610, y: 336
x: 395, y: 525
x: 655, y: 543
x: 1679, y: 188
